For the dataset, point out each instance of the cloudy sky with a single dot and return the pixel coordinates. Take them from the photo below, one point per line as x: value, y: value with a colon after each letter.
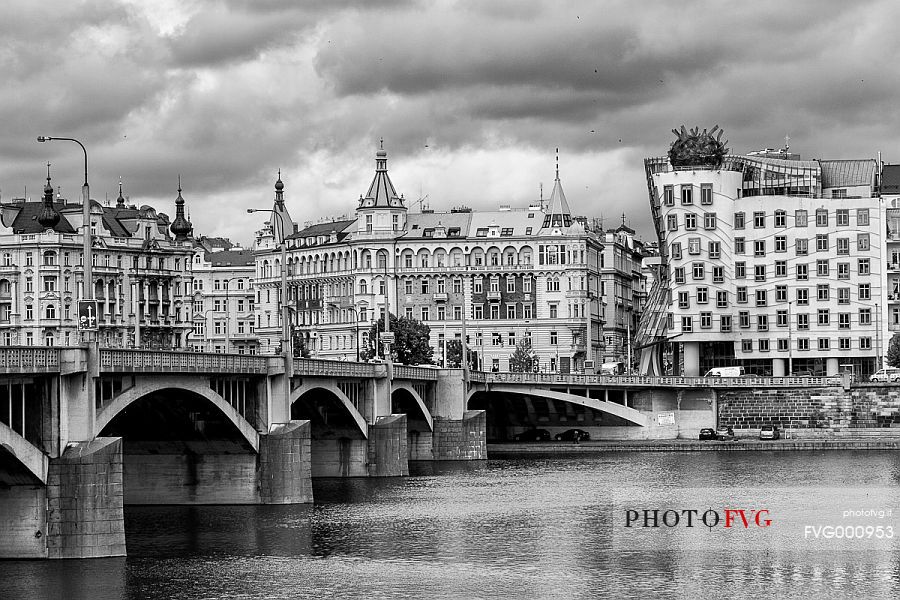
x: 471, y: 98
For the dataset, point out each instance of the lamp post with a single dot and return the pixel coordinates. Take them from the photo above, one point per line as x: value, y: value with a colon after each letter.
x: 86, y: 216
x: 356, y: 317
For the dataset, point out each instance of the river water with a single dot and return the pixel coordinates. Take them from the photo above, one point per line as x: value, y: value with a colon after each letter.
x: 550, y: 527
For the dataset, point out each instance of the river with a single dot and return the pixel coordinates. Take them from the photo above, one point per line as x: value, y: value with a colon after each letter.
x: 550, y: 527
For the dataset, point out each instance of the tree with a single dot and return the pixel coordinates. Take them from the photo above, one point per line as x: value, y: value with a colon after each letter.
x: 522, y: 359
x: 411, y: 345
x: 299, y: 347
x: 893, y: 353
x: 454, y: 355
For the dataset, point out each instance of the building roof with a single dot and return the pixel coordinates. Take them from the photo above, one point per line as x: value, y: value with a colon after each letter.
x: 230, y: 258
x: 26, y: 219
x: 890, y: 179
x: 848, y: 173
x: 381, y: 192
x: 340, y: 227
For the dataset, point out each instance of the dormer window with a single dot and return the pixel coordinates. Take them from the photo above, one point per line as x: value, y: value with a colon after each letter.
x: 428, y: 232
x: 506, y: 232
x: 481, y: 232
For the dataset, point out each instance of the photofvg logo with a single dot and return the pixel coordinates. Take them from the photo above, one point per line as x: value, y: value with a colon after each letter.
x: 725, y: 518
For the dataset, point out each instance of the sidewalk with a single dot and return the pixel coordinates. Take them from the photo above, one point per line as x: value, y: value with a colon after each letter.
x: 497, y: 450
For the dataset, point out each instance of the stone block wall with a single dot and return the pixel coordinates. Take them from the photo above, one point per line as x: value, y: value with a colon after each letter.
x: 464, y: 439
x: 284, y: 465
x: 85, y: 498
x: 23, y: 521
x: 388, y: 452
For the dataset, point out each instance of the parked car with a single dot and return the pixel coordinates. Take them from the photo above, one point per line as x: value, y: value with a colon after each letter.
x: 707, y: 434
x: 724, y: 434
x: 886, y: 375
x: 803, y: 374
x: 726, y: 372
x: 572, y: 435
x: 769, y: 432
x: 533, y: 435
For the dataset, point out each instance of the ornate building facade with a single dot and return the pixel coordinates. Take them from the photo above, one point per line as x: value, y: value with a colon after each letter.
x: 513, y: 274
x: 141, y: 272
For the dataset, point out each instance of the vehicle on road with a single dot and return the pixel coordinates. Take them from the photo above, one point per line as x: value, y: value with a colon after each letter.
x: 726, y: 372
x: 886, y: 375
x: 533, y: 435
x: 707, y: 434
x: 769, y: 432
x: 572, y: 435
x: 725, y: 434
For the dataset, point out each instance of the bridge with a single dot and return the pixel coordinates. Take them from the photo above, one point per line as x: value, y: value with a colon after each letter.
x: 85, y: 431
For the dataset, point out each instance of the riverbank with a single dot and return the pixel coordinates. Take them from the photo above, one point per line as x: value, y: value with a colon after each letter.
x: 500, y: 450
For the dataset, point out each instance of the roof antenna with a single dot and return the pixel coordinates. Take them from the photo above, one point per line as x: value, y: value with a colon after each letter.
x: 557, y: 163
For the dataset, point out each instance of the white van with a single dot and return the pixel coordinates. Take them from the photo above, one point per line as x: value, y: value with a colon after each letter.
x: 886, y: 374
x: 726, y: 372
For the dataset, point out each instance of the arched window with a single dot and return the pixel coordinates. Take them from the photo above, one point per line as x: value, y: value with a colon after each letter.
x: 49, y: 258
x: 363, y: 287
x: 50, y: 312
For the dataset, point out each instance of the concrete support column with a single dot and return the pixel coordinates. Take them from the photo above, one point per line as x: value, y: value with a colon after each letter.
x: 779, y: 367
x: 284, y: 467
x: 85, y: 499
x: 832, y: 366
x: 463, y: 439
x: 691, y: 359
x: 388, y: 454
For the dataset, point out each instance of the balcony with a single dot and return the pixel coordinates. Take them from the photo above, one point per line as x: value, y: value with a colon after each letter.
x: 493, y: 296
x: 440, y: 297
x: 577, y: 294
x: 893, y: 297
x: 893, y: 268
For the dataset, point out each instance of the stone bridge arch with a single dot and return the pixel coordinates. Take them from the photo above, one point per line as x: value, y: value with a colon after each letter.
x: 199, y: 386
x: 330, y: 386
x: 623, y: 412
x: 419, y: 402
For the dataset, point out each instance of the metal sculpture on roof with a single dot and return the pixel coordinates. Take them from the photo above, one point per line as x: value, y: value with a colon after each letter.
x: 697, y: 148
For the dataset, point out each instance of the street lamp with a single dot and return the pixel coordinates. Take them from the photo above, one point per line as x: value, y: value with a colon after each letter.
x: 356, y: 316
x: 86, y: 216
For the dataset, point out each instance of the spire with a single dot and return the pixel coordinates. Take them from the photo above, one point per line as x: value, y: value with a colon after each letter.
x: 120, y: 201
x: 558, y: 214
x: 181, y: 227
x: 279, y: 191
x: 382, y: 193
x: 48, y: 217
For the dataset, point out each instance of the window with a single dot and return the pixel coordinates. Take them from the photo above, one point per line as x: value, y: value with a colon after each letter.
x: 721, y: 299
x: 762, y: 322
x: 802, y: 272
x: 844, y: 343
x: 821, y: 217
x: 706, y: 320
x: 780, y: 243
x: 843, y: 245
x: 842, y: 215
x: 782, y: 344
x: 824, y: 316
x: 676, y: 250
x: 687, y: 194
x: 709, y: 220
x: 702, y: 295
x: 408, y: 286
x: 526, y: 311
x: 822, y: 292
x: 759, y: 219
x: 822, y: 268
x: 725, y: 323
x: 739, y: 245
x: 554, y: 338
x: 739, y: 220
x: 478, y: 287
x: 865, y: 316
x: 822, y: 242
x: 843, y: 320
x: 761, y: 297
x: 781, y: 318
x: 690, y: 221
x: 554, y: 310
x: 759, y: 248
x: 718, y: 274
x: 744, y: 319
x: 802, y: 246
x: 862, y: 217
x: 29, y: 312
x: 780, y: 268
x: 865, y: 343
x: 803, y: 321
x: 740, y: 270
x: 526, y: 285
x: 687, y: 324
x: 672, y: 222
x: 699, y: 270
x: 741, y: 292
x: 746, y: 345
x: 669, y: 195
x: 495, y: 311
x: 764, y: 345
x: 803, y: 344
x: 865, y: 292
x: 780, y: 218
x: 510, y: 285
x: 843, y: 270
x: 862, y: 266
x: 679, y: 275
x: 759, y: 273
x: 801, y: 218
x: 715, y: 249
x: 802, y: 297
x: 478, y: 311
x: 862, y: 242
x: 425, y: 314
x: 781, y: 293
x: 824, y: 344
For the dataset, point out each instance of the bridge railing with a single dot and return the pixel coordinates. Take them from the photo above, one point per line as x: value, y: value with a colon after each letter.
x: 408, y: 372
x: 333, y: 368
x: 643, y: 381
x: 28, y: 359
x: 156, y: 361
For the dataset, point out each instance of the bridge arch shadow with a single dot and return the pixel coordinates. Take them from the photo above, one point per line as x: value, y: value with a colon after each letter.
x: 339, y: 445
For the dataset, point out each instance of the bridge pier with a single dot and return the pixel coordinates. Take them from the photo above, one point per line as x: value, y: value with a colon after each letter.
x: 459, y: 433
x: 388, y: 452
x: 284, y: 468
